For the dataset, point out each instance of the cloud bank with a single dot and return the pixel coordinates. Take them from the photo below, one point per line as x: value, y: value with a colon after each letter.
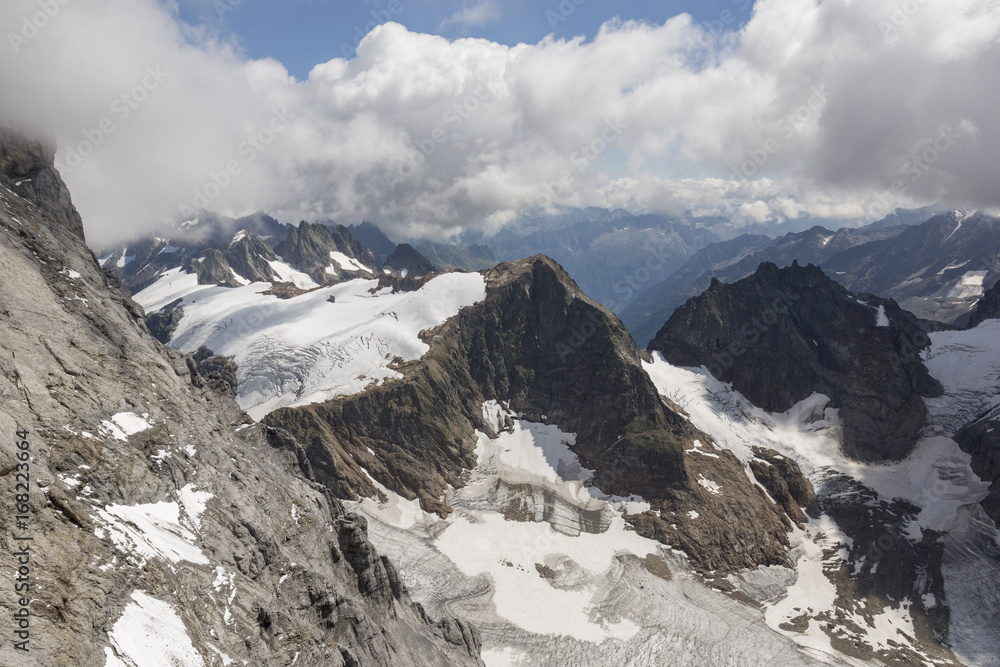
x: 827, y: 109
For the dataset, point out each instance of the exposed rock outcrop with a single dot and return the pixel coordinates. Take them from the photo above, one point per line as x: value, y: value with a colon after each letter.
x: 212, y: 268
x: 310, y: 248
x: 982, y: 441
x: 407, y: 261
x: 781, y: 335
x: 988, y: 307
x: 249, y: 256
x: 27, y: 166
x: 149, y: 487
x: 539, y: 345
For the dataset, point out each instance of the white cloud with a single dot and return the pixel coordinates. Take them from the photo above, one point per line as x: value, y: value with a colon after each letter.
x: 473, y: 14
x: 828, y: 109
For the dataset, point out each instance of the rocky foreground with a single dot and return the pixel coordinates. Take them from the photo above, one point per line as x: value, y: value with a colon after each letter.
x: 160, y: 517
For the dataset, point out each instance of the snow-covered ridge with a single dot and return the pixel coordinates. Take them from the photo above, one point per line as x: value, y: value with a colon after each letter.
x: 937, y: 477
x: 331, y: 341
x: 546, y: 589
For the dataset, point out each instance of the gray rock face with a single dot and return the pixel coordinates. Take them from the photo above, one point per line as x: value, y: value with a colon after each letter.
x: 308, y: 247
x: 982, y: 441
x: 783, y: 334
x: 407, y: 261
x: 27, y: 167
x: 988, y: 307
x: 237, y: 539
x: 537, y: 343
x: 212, y: 268
x: 249, y: 256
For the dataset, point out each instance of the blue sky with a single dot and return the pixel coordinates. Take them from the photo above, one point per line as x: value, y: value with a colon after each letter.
x: 303, y: 33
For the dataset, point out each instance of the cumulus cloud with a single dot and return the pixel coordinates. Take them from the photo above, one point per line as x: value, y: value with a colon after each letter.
x: 831, y: 109
x: 473, y: 14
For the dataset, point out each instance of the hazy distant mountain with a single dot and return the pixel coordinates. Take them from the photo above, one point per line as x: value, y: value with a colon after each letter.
x: 613, y: 256
x: 937, y: 270
x: 373, y: 237
x: 469, y: 258
x: 736, y: 259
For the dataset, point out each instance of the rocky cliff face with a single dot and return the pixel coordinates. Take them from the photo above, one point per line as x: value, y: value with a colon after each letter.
x: 541, y: 347
x: 27, y: 168
x: 157, y: 513
x: 406, y: 261
x: 249, y: 257
x: 310, y: 248
x: 782, y: 334
x: 988, y: 307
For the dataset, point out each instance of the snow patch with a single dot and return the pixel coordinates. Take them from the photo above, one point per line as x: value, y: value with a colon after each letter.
x: 124, y: 424
x: 293, y: 352
x: 342, y: 262
x: 146, y: 623
x: 881, y: 319
x: 152, y: 530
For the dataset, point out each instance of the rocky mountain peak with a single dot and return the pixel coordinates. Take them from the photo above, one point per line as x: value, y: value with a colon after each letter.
x: 154, y: 502
x: 780, y: 335
x: 988, y: 307
x: 248, y: 256
x: 326, y: 254
x: 27, y: 166
x: 407, y: 261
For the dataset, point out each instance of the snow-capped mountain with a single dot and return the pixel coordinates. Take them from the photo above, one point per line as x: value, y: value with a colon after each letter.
x: 549, y: 492
x: 937, y: 270
x: 159, y: 524
x: 504, y: 463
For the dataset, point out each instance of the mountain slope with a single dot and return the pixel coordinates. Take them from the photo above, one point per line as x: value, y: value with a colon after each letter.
x: 326, y: 254
x: 813, y: 246
x: 535, y: 343
x: 649, y: 309
x: 160, y: 516
x: 406, y: 261
x: 937, y: 270
x: 374, y: 239
x: 781, y: 335
x: 467, y: 258
x: 612, y: 255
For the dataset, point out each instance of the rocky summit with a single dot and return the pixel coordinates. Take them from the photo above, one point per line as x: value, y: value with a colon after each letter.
x: 156, y: 518
x: 538, y: 345
x: 782, y: 335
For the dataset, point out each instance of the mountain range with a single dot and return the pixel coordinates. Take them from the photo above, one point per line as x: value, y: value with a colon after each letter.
x: 275, y: 444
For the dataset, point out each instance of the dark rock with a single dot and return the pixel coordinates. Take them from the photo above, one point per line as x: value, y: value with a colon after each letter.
x: 212, y: 268
x: 219, y: 370
x: 407, y: 261
x: 374, y: 239
x: 784, y: 480
x: 539, y: 345
x: 29, y: 166
x: 165, y: 321
x: 982, y: 441
x: 988, y: 307
x: 781, y: 335
x: 248, y: 256
x: 308, y: 247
